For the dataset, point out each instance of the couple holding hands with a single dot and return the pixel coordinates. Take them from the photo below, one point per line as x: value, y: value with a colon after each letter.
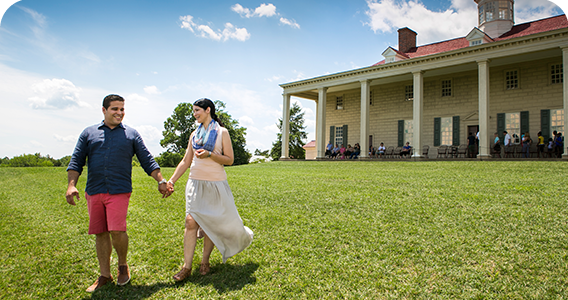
x: 210, y: 208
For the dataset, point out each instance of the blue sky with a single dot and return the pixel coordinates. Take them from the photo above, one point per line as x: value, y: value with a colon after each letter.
x: 58, y: 59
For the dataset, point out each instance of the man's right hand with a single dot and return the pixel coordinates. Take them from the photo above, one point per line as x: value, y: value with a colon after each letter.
x: 72, y: 192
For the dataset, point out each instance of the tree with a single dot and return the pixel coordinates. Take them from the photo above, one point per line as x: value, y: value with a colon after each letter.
x: 265, y: 153
x: 297, y: 135
x: 179, y: 126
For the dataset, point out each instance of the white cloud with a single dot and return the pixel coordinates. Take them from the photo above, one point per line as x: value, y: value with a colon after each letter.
x: 65, y: 139
x: 246, y: 121
x: 135, y: 98
x: 291, y: 23
x: 529, y: 10
x: 232, y: 32
x: 273, y: 128
x: 55, y: 94
x: 431, y: 26
x: 187, y: 23
x: 229, y: 32
x: 152, y: 90
x: 38, y: 18
x: 387, y: 16
x: 149, y: 134
x: 264, y: 10
x: 274, y: 78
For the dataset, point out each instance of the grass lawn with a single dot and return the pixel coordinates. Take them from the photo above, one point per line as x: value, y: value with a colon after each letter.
x: 332, y: 230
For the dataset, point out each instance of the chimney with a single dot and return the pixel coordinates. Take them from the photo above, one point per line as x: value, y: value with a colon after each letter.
x: 406, y: 39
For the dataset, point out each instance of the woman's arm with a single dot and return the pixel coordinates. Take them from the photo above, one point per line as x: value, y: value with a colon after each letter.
x: 227, y: 157
x: 184, y: 163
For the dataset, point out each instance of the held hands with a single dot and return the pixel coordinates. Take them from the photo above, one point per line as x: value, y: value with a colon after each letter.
x: 166, y: 189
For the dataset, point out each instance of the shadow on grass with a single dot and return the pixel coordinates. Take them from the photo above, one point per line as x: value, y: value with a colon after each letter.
x: 224, y: 278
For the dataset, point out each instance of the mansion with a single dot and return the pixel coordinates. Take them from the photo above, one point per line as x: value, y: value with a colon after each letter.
x: 500, y: 76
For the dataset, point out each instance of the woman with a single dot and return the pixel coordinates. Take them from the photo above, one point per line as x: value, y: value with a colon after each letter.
x: 526, y: 145
x: 210, y: 205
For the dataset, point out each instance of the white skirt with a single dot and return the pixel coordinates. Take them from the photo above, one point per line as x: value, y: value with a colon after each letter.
x: 212, y: 206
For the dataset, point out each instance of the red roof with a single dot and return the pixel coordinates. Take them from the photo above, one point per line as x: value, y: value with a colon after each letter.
x: 520, y: 30
x: 311, y: 144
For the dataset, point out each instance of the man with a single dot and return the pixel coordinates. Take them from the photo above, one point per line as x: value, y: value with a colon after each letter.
x: 405, y: 150
x: 109, y: 147
x: 328, y: 149
x: 471, y: 145
x: 506, y: 139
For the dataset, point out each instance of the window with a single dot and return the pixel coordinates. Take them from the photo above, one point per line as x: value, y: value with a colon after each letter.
x: 557, y: 120
x: 446, y: 131
x: 513, y: 126
x: 512, y: 79
x: 505, y: 10
x: 409, y: 93
x: 339, y: 102
x: 556, y: 74
x: 339, y: 135
x: 408, y: 132
x: 446, y: 88
x: 481, y: 14
x: 370, y: 97
x: 489, y: 12
x: 476, y: 42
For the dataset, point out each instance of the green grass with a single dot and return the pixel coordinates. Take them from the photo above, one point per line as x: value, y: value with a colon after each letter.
x: 333, y: 230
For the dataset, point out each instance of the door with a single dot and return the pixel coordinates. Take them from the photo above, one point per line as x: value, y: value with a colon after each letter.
x: 474, y: 129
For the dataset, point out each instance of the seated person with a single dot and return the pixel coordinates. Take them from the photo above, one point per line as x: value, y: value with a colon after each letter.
x: 405, y: 150
x: 349, y: 150
x: 328, y: 149
x: 342, y: 152
x: 356, y: 152
x: 381, y: 150
x: 334, y: 151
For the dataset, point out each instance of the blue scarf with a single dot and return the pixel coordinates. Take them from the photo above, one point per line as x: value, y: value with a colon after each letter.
x: 205, y: 138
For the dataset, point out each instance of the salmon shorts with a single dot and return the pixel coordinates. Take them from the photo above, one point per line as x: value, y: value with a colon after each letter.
x: 107, y: 212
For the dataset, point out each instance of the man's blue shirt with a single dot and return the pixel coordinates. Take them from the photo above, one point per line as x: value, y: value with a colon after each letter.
x: 109, y: 153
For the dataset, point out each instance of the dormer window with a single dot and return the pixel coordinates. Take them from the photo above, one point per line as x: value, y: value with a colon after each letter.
x: 392, y: 55
x: 477, y: 37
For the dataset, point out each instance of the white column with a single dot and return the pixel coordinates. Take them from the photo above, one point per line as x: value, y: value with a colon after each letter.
x: 484, y: 145
x: 320, y: 123
x: 286, y: 126
x: 417, y: 111
x: 365, y: 97
x: 565, y: 97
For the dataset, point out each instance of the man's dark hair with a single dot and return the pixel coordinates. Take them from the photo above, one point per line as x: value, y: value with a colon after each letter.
x: 108, y: 99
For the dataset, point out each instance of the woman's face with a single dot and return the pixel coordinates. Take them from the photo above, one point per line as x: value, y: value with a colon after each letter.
x: 201, y: 114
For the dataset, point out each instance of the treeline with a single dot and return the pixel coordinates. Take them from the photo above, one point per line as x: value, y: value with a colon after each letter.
x: 34, y: 160
x: 166, y: 159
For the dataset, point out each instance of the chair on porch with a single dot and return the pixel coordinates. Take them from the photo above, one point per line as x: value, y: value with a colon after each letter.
x: 425, y: 149
x: 396, y: 152
x: 388, y: 152
x: 533, y: 151
x: 518, y: 151
x: 462, y: 151
x: 442, y: 150
x: 509, y: 151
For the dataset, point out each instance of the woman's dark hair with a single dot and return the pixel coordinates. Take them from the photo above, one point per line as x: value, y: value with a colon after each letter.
x: 205, y: 103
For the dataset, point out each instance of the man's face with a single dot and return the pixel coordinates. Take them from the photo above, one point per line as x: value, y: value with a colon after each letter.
x: 114, y: 114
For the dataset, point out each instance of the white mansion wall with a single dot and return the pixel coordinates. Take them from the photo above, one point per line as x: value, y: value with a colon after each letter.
x: 389, y: 105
